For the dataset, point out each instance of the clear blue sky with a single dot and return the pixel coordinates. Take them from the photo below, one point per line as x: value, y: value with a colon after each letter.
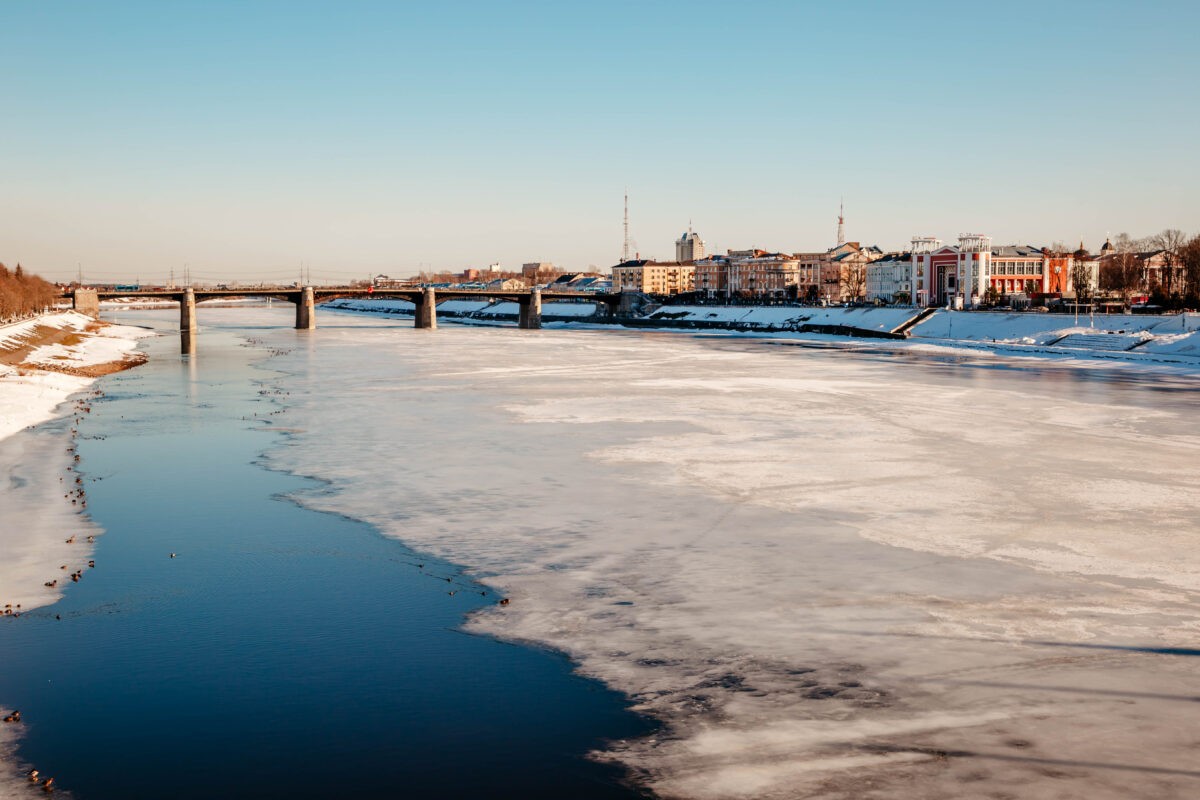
x: 242, y: 138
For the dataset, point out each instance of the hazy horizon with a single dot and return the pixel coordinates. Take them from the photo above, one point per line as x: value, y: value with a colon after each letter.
x: 239, y: 141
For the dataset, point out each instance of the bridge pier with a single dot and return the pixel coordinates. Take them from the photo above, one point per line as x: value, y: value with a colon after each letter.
x: 426, y: 312
x: 611, y: 307
x: 86, y: 301
x: 306, y: 310
x: 187, y: 322
x: 530, y: 317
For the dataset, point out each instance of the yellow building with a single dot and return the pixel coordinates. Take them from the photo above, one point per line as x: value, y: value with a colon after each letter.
x: 654, y: 277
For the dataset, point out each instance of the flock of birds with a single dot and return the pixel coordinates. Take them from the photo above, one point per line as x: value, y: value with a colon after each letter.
x: 82, y: 407
x: 450, y: 579
x: 78, y: 497
x: 34, y: 775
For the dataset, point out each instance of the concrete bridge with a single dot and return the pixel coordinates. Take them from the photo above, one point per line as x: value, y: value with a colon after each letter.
x: 87, y: 301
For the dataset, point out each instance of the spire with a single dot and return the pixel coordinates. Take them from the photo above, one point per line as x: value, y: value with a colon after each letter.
x: 842, y: 222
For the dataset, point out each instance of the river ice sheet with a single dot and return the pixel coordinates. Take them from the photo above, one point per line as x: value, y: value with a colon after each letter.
x: 830, y: 573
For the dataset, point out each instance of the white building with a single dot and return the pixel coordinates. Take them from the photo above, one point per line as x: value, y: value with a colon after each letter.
x: 955, y: 276
x: 975, y: 272
x: 888, y: 279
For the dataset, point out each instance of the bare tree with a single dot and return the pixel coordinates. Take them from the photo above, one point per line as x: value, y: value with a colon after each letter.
x: 1081, y: 276
x: 854, y: 280
x: 1189, y: 259
x: 1121, y: 270
x: 1170, y: 242
x: 22, y: 294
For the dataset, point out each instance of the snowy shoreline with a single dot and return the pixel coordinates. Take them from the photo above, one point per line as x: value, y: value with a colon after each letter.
x: 46, y: 537
x: 1135, y: 338
x: 35, y: 389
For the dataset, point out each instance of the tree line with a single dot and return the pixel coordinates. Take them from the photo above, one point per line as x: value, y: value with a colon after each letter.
x: 1166, y: 266
x: 22, y: 294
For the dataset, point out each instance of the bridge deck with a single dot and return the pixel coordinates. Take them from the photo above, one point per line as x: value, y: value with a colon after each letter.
x: 328, y: 293
x: 424, y: 299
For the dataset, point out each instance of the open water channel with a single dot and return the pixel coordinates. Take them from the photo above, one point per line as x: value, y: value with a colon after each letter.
x: 282, y: 652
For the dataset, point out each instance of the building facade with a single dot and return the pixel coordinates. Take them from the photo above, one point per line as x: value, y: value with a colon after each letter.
x: 937, y: 273
x: 653, y: 277
x: 712, y: 276
x: 764, y: 275
x: 532, y: 270
x: 812, y: 271
x: 848, y: 268
x: 748, y: 274
x: 1018, y: 269
x: 832, y: 275
x: 888, y: 279
x: 975, y: 272
x: 689, y: 247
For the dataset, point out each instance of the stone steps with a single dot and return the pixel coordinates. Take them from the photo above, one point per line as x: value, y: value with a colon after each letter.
x: 1111, y: 342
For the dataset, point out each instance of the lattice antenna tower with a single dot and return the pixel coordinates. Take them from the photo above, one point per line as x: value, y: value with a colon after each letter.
x: 842, y: 223
x: 625, y: 246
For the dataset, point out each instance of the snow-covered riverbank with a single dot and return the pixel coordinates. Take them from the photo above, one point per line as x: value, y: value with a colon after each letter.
x: 1160, y: 339
x: 45, y: 538
x: 43, y: 363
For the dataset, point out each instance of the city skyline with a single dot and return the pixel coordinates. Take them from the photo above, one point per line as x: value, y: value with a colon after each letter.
x: 238, y: 142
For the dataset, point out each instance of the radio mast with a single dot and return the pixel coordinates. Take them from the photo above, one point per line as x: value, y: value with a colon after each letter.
x: 842, y: 223
x: 625, y: 247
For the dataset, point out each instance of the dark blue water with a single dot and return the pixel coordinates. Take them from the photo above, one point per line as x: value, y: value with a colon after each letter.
x: 283, y: 652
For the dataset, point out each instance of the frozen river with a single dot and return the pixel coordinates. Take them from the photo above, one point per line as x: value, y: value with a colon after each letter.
x: 823, y: 568
x: 827, y: 571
